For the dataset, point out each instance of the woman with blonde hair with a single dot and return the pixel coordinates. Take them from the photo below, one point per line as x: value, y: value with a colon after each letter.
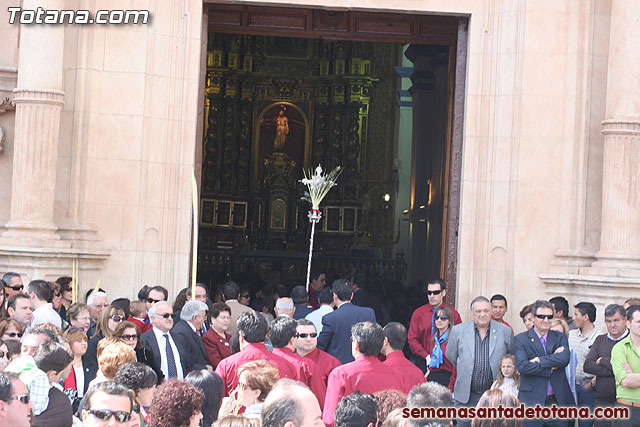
x: 112, y: 354
x: 109, y: 320
x: 255, y: 381
x: 508, y: 378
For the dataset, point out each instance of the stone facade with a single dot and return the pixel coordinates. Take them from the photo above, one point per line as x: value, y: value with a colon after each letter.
x: 550, y: 188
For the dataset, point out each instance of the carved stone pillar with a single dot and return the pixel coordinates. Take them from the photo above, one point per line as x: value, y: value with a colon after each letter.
x: 428, y: 93
x: 38, y: 100
x: 619, y: 253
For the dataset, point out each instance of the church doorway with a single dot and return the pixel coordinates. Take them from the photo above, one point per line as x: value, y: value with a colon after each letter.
x: 380, y: 95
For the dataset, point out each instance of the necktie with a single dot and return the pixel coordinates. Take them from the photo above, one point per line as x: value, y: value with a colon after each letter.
x: 172, y: 371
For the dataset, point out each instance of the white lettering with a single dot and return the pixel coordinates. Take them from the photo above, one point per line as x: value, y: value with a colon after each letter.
x: 51, y: 17
x: 27, y: 16
x: 136, y: 14
x: 83, y: 17
x: 13, y: 11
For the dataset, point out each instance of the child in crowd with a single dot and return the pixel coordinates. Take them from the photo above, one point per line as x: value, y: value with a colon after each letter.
x: 508, y: 376
x: 138, y: 311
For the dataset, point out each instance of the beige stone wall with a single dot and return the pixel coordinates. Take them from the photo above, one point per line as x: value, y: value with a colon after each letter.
x: 126, y: 145
x: 532, y: 175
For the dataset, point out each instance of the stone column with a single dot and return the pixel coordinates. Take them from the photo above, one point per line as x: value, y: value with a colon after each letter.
x: 38, y: 99
x: 619, y: 253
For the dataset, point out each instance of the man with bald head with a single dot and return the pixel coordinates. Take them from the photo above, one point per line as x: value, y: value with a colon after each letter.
x: 167, y: 357
x: 291, y: 403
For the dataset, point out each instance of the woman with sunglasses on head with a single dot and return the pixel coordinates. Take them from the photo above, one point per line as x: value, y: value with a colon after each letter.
x: 77, y: 382
x: 11, y: 329
x: 439, y: 369
x: 216, y: 339
x: 109, y: 320
x: 130, y: 334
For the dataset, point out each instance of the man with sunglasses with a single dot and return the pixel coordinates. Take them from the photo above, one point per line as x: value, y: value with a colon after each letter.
x: 40, y: 293
x: 168, y: 358
x: 283, y: 336
x: 541, y: 356
x: 307, y: 347
x: 12, y: 283
x: 106, y: 404
x: 422, y: 325
x: 15, y: 407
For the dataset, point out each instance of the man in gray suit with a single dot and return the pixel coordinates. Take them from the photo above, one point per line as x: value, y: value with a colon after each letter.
x: 475, y: 349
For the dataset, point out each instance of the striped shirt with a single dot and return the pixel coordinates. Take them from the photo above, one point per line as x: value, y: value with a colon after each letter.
x: 481, y: 377
x: 581, y: 345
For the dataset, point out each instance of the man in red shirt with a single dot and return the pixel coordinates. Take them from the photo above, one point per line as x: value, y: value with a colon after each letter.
x: 395, y: 335
x: 283, y: 335
x: 421, y: 327
x: 499, y: 309
x: 366, y: 374
x: 252, y: 331
x: 318, y: 281
x: 307, y: 347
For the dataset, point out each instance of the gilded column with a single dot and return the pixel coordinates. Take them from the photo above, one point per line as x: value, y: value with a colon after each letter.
x: 619, y: 253
x: 38, y: 99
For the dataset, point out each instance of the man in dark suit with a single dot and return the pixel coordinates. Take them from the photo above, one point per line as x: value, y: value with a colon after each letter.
x: 187, y: 335
x: 335, y: 337
x: 541, y: 356
x: 168, y: 357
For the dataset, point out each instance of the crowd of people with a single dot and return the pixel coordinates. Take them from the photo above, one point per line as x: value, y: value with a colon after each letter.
x: 333, y: 356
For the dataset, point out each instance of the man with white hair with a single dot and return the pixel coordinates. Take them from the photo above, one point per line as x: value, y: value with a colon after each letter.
x: 187, y: 335
x: 97, y: 301
x: 167, y: 356
x: 284, y: 307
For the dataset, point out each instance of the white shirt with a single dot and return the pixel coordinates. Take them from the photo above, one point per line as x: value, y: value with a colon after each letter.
x: 316, y: 316
x: 162, y: 344
x: 45, y: 314
x: 78, y: 372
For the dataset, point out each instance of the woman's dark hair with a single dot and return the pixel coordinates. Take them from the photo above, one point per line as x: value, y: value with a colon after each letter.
x: 135, y: 376
x: 212, y: 387
x: 124, y: 304
x: 447, y: 312
x: 218, y: 308
x: 181, y: 300
x: 119, y: 331
x: 174, y: 403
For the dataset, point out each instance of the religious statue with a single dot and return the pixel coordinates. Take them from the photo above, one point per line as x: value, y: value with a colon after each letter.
x: 282, y: 130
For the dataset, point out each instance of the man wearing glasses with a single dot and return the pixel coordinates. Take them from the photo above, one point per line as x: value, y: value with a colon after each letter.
x: 15, y: 407
x: 541, y: 356
x: 12, y: 283
x: 167, y: 356
x: 422, y: 325
x: 106, y: 404
x: 307, y: 346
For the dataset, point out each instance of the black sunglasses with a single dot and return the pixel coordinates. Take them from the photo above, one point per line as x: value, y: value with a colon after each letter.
x: 442, y: 317
x: 153, y: 301
x: 105, y: 414
x: 16, y: 288
x: 117, y: 318
x: 2, y: 353
x: 544, y: 316
x: 128, y: 337
x: 13, y: 334
x: 23, y: 398
x: 166, y: 315
x: 434, y: 292
x: 312, y: 335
